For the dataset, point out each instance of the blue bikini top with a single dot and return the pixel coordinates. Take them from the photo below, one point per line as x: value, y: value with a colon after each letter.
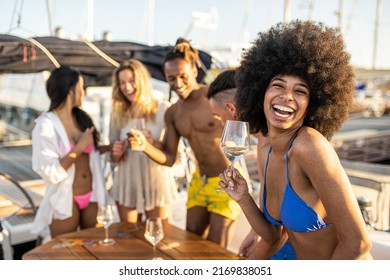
x: 295, y: 214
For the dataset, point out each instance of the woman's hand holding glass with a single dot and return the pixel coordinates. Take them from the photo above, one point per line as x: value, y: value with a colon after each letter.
x: 137, y: 140
x: 139, y: 135
x: 234, y: 184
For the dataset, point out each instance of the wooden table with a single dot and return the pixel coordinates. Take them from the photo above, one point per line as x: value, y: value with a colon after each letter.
x: 130, y: 244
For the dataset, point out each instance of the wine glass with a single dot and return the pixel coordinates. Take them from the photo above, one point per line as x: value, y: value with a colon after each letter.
x: 235, y: 140
x: 105, y: 217
x: 140, y: 124
x: 154, y: 233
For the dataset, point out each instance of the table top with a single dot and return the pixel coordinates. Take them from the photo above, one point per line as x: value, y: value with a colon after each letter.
x: 130, y: 244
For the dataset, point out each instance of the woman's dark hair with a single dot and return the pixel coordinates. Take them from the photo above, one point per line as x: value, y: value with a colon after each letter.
x: 309, y: 50
x: 60, y: 82
x: 84, y: 121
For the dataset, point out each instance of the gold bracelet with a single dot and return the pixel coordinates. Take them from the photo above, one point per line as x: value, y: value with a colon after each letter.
x: 72, y: 155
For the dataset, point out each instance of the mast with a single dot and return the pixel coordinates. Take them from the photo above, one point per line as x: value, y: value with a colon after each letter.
x: 90, y: 20
x: 286, y: 11
x: 376, y: 32
x: 151, y: 23
x: 48, y: 7
x: 340, y: 14
x: 311, y: 9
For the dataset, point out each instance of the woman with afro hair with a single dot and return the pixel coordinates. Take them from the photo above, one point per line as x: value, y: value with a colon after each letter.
x: 296, y: 85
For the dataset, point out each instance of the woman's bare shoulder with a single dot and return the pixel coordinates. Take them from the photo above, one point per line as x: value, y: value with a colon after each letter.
x: 309, y: 139
x: 311, y: 146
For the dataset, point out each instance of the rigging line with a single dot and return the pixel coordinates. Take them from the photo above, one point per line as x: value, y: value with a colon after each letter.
x: 45, y: 51
x: 19, y: 12
x: 101, y: 53
x: 351, y: 15
x: 245, y: 18
x: 13, y: 14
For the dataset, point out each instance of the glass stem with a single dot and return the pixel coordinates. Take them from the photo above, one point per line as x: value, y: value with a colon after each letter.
x: 154, y: 251
x: 106, y: 231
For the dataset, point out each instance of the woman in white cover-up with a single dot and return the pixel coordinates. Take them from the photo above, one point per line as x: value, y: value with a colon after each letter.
x: 65, y: 154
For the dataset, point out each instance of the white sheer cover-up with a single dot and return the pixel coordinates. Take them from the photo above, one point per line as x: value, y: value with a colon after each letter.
x: 139, y: 182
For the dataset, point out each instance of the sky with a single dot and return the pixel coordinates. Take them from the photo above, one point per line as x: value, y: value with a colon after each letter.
x: 233, y: 23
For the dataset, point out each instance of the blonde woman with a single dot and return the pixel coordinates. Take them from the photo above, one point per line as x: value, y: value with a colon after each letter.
x: 141, y: 186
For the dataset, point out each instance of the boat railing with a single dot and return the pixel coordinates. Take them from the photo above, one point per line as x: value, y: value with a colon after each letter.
x: 372, y: 181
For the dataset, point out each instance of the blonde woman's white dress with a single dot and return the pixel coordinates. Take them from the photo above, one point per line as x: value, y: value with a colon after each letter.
x: 140, y: 182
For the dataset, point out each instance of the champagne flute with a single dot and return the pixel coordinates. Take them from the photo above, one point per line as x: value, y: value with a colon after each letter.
x: 105, y: 217
x: 154, y: 233
x: 235, y: 140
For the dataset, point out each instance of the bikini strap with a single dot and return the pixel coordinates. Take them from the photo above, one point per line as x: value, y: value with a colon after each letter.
x: 266, y: 165
x: 288, y: 149
x: 265, y: 179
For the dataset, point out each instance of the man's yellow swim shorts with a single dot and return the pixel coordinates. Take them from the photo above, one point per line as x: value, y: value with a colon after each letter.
x: 204, y: 192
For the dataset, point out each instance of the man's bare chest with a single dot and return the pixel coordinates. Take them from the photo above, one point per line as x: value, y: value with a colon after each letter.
x: 188, y: 123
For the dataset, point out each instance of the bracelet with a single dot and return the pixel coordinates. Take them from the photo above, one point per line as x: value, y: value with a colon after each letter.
x: 72, y: 155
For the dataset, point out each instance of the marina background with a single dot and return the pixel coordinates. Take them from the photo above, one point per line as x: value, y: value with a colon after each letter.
x: 211, y: 25
x: 223, y: 28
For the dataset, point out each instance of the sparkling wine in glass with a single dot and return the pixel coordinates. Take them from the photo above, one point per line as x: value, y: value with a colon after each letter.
x: 235, y: 140
x: 154, y: 233
x: 105, y: 217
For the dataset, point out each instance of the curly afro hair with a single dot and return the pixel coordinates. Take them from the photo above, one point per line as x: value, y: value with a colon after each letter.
x: 309, y: 50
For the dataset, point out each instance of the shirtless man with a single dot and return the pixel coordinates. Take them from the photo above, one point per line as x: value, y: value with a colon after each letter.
x: 191, y: 117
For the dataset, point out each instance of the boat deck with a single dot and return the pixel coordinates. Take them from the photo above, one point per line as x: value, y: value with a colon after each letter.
x: 15, y: 160
x: 365, y: 145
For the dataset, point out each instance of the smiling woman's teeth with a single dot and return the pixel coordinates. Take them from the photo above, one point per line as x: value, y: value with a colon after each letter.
x: 282, y: 112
